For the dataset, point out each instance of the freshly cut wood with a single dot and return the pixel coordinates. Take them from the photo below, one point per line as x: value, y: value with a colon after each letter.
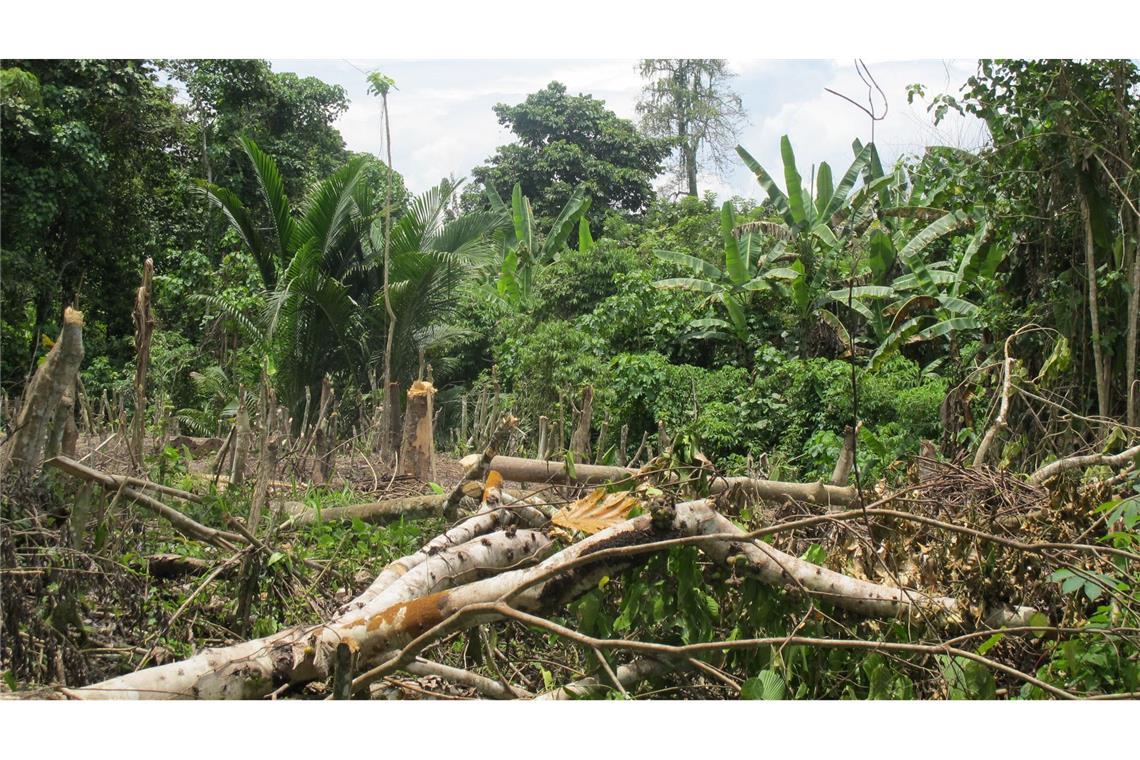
x: 22, y: 451
x: 383, y: 630
x: 377, y: 512
x: 252, y: 669
x: 417, y: 452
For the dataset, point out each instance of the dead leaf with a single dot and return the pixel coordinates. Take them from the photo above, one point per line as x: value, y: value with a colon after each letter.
x: 596, y: 511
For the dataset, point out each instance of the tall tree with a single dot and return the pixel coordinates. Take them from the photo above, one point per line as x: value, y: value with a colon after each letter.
x: 689, y: 102
x: 566, y: 141
x: 289, y: 116
x: 94, y: 182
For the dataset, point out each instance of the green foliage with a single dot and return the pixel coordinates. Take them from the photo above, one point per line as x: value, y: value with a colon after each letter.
x: 565, y: 142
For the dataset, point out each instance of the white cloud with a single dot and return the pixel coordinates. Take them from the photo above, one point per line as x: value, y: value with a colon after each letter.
x: 822, y: 126
x: 443, y: 123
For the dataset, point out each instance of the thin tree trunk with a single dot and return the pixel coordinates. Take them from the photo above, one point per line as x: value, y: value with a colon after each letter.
x: 390, y: 440
x: 1102, y: 389
x: 1131, y: 380
x: 144, y: 329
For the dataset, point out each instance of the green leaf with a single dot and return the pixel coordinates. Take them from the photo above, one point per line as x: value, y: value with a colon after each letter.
x: 689, y: 283
x: 882, y: 255
x: 911, y: 252
x: 779, y: 200
x: 990, y: 643
x: 570, y: 468
x: 692, y: 262
x: 845, y: 184
x: 824, y: 233
x: 523, y: 219
x: 733, y: 264
x: 969, y: 267
x: 274, y: 558
x: 947, y: 326
x: 735, y: 313
x: 824, y: 189
x: 564, y: 224
x: 766, y: 685
x: 585, y: 239
x: 436, y: 487
x: 272, y: 188
x: 792, y: 181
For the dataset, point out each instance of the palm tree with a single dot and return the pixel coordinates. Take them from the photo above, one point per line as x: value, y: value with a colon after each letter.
x: 322, y: 307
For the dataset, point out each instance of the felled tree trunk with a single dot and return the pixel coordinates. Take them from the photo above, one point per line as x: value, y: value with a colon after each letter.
x: 538, y: 471
x: 22, y: 453
x: 406, y: 602
x: 417, y: 453
x: 252, y: 669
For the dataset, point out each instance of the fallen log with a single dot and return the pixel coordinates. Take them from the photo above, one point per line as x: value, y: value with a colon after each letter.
x: 1054, y: 469
x: 399, y: 620
x: 173, y: 565
x: 540, y: 471
x: 186, y: 526
x: 376, y: 512
x: 253, y: 669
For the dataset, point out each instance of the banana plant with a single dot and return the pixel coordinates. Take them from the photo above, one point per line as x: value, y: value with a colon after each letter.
x: 809, y: 219
x: 523, y: 250
x: 746, y: 271
x: 926, y: 302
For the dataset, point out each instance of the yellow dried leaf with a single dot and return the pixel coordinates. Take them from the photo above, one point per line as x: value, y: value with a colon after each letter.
x: 595, y: 511
x: 493, y: 484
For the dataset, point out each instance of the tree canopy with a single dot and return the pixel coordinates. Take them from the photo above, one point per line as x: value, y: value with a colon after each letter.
x: 566, y: 141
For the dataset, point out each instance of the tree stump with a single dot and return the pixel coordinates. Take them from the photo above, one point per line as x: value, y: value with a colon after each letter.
x: 417, y: 453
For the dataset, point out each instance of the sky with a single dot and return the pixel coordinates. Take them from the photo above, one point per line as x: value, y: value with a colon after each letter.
x: 443, y: 123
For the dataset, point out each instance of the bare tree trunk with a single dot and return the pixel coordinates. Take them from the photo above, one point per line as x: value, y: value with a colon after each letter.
x: 241, y: 443
x: 417, y: 453
x: 846, y: 459
x: 580, y: 438
x: 622, y: 442
x: 1099, y: 368
x: 462, y: 422
x: 543, y: 425
x: 22, y: 451
x: 603, y: 434
x: 1131, y: 380
x: 393, y: 419
x: 144, y: 329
